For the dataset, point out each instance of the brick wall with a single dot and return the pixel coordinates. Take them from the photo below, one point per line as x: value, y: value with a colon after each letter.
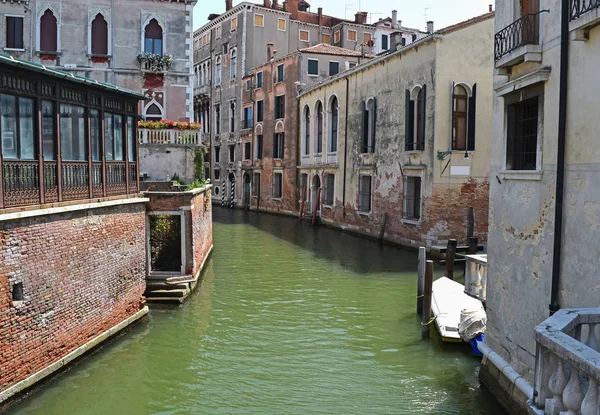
x: 82, y: 273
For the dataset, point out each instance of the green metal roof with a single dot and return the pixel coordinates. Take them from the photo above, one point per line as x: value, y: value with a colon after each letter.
x: 57, y: 73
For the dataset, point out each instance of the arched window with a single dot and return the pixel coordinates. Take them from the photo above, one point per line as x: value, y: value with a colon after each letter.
x: 319, y: 128
x: 153, y: 38
x: 333, y: 125
x: 307, y: 130
x: 459, y: 115
x: 153, y: 112
x: 233, y: 66
x: 415, y: 119
x: 218, y: 71
x: 99, y: 35
x: 369, y: 125
x: 48, y: 32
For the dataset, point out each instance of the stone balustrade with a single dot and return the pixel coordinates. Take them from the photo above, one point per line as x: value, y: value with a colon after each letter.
x: 476, y: 276
x: 170, y: 137
x: 567, y: 368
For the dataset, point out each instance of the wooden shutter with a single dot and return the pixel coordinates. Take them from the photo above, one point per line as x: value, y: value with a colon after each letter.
x: 48, y: 32
x: 422, y: 119
x: 471, y: 120
x: 374, y: 126
x: 408, y: 123
x: 275, y: 146
x: 99, y: 36
x: 452, y: 122
x: 365, y: 127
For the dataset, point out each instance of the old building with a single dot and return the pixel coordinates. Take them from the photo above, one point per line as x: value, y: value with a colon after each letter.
x: 141, y: 45
x: 270, y: 124
x: 544, y: 201
x: 72, y: 223
x: 400, y: 145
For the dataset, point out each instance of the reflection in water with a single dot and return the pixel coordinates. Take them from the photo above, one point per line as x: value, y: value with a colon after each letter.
x: 288, y: 319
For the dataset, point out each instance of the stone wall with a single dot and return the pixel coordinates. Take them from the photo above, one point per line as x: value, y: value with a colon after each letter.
x: 82, y: 273
x: 162, y: 162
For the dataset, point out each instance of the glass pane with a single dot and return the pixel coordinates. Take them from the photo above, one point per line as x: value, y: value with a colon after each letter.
x: 26, y: 128
x: 95, y: 133
x: 130, y: 139
x: 118, y: 124
x: 109, y: 142
x: 48, y: 141
x: 158, y: 46
x: 73, y: 142
x: 8, y: 103
x: 148, y: 45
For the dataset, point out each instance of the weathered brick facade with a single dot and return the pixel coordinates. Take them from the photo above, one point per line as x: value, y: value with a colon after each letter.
x: 82, y: 273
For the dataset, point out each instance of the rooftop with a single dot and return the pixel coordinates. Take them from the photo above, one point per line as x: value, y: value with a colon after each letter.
x: 326, y: 49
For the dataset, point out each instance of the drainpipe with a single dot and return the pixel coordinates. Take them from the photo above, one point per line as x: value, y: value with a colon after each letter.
x: 506, y: 369
x: 560, y: 159
x: 111, y: 62
x: 345, y: 149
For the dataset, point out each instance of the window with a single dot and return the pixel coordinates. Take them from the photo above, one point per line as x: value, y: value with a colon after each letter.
x: 153, y: 113
x: 204, y: 39
x: 352, y: 35
x: 17, y: 292
x: 225, y: 48
x: 248, y: 117
x: 217, y: 174
x: 153, y: 36
x: 217, y: 119
x: 385, y: 42
x: 412, y: 198
x: 217, y: 154
x: 247, y: 150
x: 218, y: 32
x: 231, y: 154
x: 333, y: 125
x: 303, y: 184
x: 17, y: 131
x: 73, y: 141
x: 259, y: 20
x: 279, y: 107
x: 99, y: 36
x: 281, y: 24
x: 259, y: 110
x: 319, y: 128
x: 232, y: 117
x: 334, y: 68
x: 48, y: 142
x: 256, y: 184
x: 277, y: 185
x: 233, y: 23
x: 130, y: 139
x: 259, y: 146
x: 249, y: 85
x: 369, y: 125
x: 95, y: 124
x: 280, y: 73
x: 326, y: 38
x: 463, y: 118
x: 233, y: 65
x: 329, y: 189
x: 414, y: 37
x: 259, y: 80
x: 415, y: 119
x: 14, y: 32
x: 352, y: 65
x: 48, y: 32
x: 218, y: 71
x: 113, y: 134
x: 304, y: 35
x: 522, y: 135
x: 313, y: 67
x: 306, y: 130
x: 336, y: 37
x: 364, y: 193
x: 278, y: 145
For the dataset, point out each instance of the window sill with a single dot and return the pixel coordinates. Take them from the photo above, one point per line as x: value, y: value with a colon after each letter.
x: 14, y: 50
x: 278, y: 82
x: 328, y: 207
x: 277, y: 199
x: 313, y: 75
x: 41, y: 52
x: 411, y: 221
x: 533, y: 175
x: 92, y: 55
x: 366, y: 214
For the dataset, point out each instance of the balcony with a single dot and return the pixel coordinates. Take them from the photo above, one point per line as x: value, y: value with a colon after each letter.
x: 567, y: 368
x: 519, y: 42
x: 202, y: 90
x: 476, y: 276
x: 332, y: 158
x: 170, y: 137
x: 584, y: 14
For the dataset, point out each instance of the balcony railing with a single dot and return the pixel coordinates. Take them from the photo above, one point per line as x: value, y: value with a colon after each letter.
x: 567, y: 368
x: 172, y: 137
x: 579, y: 7
x: 525, y: 31
x: 23, y: 185
x: 476, y: 276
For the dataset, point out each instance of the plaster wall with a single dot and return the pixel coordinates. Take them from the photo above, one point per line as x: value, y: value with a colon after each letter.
x: 162, y: 162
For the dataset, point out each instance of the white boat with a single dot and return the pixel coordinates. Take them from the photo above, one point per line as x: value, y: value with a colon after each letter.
x: 447, y: 301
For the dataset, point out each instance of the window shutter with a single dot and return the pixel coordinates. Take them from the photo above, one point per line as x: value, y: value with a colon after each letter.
x: 374, y: 126
x: 471, y: 115
x: 275, y: 147
x: 282, y: 146
x: 365, y: 126
x: 452, y: 135
x: 422, y: 120
x: 408, y: 123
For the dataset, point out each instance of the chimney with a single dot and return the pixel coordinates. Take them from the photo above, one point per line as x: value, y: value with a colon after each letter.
x: 320, y: 12
x: 395, y: 39
x: 275, y: 4
x: 267, y: 4
x: 430, y: 27
x: 228, y: 5
x: 291, y: 6
x: 394, y: 19
x: 361, y: 17
x: 491, y: 8
x: 270, y: 51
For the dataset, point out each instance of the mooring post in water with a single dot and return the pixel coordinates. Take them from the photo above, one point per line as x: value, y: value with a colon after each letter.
x: 426, y: 319
x: 382, y: 230
x: 302, y: 202
x: 450, y: 255
x: 421, y: 279
x: 232, y: 194
x: 473, y: 245
x: 316, y: 209
x: 470, y: 222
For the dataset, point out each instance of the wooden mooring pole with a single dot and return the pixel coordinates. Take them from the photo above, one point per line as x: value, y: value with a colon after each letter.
x: 450, y: 256
x: 316, y: 209
x: 382, y: 230
x: 302, y: 203
x: 421, y: 279
x: 428, y: 289
x: 470, y: 222
x: 473, y: 245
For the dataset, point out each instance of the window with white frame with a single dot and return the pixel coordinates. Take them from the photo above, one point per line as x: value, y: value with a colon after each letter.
x: 278, y: 145
x: 233, y: 63
x: 259, y: 80
x: 304, y: 35
x: 48, y: 32
x: 415, y: 118
x: 259, y: 20
x: 329, y: 189
x: 281, y: 24
x: 369, y: 125
x: 14, y: 32
x: 367, y: 37
x: 364, y: 193
x: 336, y: 37
x: 463, y: 117
x: 218, y: 71
x: 218, y: 31
x: 277, y: 185
x: 280, y: 73
x: 153, y: 38
x: 412, y: 198
x: 260, y: 107
x: 351, y: 36
x: 306, y: 130
x: 523, y: 115
x: 313, y: 67
x: 319, y: 128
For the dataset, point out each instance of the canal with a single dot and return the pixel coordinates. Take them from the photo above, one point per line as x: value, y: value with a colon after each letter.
x: 288, y: 319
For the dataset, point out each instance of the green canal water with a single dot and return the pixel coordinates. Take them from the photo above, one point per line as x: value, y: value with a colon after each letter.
x: 288, y: 319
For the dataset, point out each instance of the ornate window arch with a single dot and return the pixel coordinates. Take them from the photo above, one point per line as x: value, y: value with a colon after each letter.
x: 154, y: 22
x: 99, y: 31
x: 318, y: 127
x: 153, y: 37
x: 154, y: 111
x: 48, y: 29
x: 233, y: 63
x: 306, y: 122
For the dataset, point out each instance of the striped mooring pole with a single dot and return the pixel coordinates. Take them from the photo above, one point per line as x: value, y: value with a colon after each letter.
x: 232, y: 194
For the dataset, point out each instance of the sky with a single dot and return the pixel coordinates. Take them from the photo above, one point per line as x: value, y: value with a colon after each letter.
x: 413, y: 13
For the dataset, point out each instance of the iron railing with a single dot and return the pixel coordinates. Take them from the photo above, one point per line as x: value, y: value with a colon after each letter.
x: 579, y: 7
x: 525, y: 31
